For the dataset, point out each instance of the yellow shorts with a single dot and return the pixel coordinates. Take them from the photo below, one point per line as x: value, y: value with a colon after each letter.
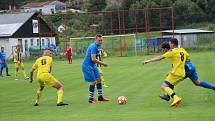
x: 19, y: 65
x: 46, y: 78
x: 174, y: 79
x: 100, y: 70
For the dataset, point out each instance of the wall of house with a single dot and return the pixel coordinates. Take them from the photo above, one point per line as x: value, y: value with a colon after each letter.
x: 45, y: 9
x: 26, y: 43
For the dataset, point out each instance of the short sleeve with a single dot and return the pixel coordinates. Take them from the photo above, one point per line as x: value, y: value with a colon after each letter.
x: 168, y: 54
x: 35, y: 65
x: 93, y: 50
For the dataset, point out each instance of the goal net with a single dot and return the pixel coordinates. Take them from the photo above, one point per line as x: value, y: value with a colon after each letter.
x: 119, y: 45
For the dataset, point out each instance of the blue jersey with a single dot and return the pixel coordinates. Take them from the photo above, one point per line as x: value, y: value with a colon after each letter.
x: 3, y: 57
x: 92, y: 49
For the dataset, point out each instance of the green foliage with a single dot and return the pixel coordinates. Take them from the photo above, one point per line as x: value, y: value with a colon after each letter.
x: 97, y: 5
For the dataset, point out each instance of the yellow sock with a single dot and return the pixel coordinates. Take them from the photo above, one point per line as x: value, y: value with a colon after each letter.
x: 15, y: 74
x: 38, y: 96
x: 24, y: 74
x: 170, y: 92
x: 103, y: 80
x: 60, y: 95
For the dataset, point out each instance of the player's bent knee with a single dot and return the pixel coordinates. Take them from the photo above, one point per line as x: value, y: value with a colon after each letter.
x: 197, y: 83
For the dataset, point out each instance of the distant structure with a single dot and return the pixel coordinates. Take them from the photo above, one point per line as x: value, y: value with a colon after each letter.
x: 49, y: 7
x: 188, y: 37
x: 22, y: 29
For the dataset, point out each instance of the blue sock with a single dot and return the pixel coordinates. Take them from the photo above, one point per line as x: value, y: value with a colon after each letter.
x: 91, y: 90
x: 7, y: 71
x: 206, y: 85
x: 1, y: 71
x: 99, y: 88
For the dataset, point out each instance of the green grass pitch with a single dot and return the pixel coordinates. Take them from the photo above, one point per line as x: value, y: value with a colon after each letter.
x: 125, y: 76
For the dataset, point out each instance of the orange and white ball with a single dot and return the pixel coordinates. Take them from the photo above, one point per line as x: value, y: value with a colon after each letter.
x: 122, y: 100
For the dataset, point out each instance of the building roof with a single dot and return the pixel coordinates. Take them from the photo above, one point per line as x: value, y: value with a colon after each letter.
x: 35, y: 4
x: 41, y: 4
x: 187, y: 31
x: 10, y: 23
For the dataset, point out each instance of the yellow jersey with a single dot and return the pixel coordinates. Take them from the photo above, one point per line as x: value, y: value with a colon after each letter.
x: 43, y: 65
x: 177, y: 57
x: 17, y: 57
x: 101, y: 56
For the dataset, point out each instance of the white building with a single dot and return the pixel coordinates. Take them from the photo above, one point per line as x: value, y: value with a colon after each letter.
x: 187, y: 37
x: 22, y: 29
x: 49, y: 7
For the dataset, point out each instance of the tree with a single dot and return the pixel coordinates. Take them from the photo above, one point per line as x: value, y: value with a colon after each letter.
x: 97, y: 5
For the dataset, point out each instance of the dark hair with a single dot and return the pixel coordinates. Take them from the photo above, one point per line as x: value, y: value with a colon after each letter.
x: 98, y: 35
x: 165, y: 45
x: 174, y: 41
x: 48, y: 49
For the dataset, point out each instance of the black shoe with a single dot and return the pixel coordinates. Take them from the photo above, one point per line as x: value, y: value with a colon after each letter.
x: 36, y: 104
x: 8, y: 75
x: 165, y: 97
x: 62, y: 104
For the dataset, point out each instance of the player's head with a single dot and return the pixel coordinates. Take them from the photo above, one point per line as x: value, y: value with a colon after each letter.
x: 165, y: 46
x: 18, y: 48
x: 47, y: 52
x: 2, y: 49
x: 99, y: 39
x: 173, y: 43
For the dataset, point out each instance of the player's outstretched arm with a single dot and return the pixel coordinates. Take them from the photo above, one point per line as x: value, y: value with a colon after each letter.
x: 157, y: 58
x: 93, y: 56
x: 31, y: 75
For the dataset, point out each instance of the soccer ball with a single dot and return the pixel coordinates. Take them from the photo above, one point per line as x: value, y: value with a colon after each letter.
x: 122, y: 100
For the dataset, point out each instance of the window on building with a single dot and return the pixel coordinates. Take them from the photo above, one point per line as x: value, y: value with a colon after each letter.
x: 20, y: 44
x: 43, y: 42
x: 32, y: 42
x: 38, y: 42
x: 26, y: 45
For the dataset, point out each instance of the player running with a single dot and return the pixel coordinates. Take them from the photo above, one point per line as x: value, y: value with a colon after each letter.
x: 91, y: 72
x: 190, y: 73
x: 3, y: 62
x: 18, y: 62
x: 43, y: 65
x: 177, y: 56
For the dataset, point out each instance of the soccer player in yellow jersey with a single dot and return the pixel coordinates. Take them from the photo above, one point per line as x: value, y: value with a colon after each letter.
x: 18, y: 62
x: 43, y: 66
x: 177, y: 57
x: 100, y: 57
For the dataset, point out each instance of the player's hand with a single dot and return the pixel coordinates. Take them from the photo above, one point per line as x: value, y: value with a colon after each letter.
x: 31, y: 80
x: 145, y: 62
x: 105, y: 65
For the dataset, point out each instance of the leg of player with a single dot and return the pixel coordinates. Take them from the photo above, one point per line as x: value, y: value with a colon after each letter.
x: 1, y: 69
x: 7, y: 73
x: 103, y: 80
x: 23, y: 72
x: 176, y: 100
x: 91, y: 93
x: 99, y: 88
x: 16, y: 73
x: 204, y: 84
x: 38, y: 95
x: 60, y: 91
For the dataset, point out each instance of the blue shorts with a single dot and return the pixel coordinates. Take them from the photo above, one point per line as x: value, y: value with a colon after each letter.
x: 90, y: 73
x: 191, y: 72
x: 4, y: 65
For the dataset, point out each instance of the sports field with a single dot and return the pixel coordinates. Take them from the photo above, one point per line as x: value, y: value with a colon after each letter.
x: 126, y: 76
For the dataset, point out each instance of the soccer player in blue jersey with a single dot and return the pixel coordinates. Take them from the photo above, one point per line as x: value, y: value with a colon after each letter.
x: 3, y: 62
x: 190, y: 72
x: 91, y: 72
